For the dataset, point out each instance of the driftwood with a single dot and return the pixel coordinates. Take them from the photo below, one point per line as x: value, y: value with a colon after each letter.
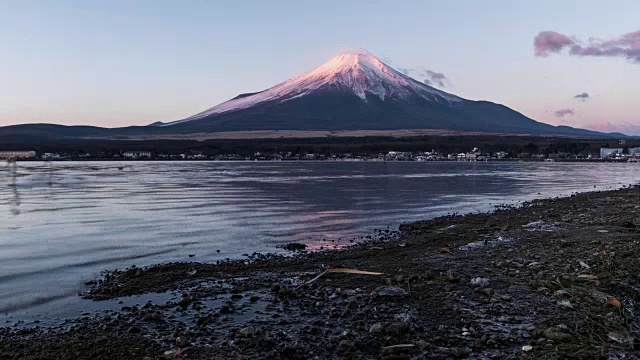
x: 338, y: 270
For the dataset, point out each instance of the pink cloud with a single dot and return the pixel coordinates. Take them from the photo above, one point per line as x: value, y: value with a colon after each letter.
x: 550, y: 42
x: 607, y: 126
x: 601, y: 125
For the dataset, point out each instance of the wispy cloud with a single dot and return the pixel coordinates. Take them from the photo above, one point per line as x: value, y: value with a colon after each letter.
x: 430, y: 77
x: 564, y: 113
x: 583, y: 96
x: 550, y: 42
x: 435, y: 78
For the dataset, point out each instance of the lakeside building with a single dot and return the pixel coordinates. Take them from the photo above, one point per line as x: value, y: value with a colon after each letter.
x: 17, y: 154
x: 502, y: 155
x: 609, y: 152
x: 136, y: 154
x: 52, y: 156
x: 473, y: 155
x: 618, y: 152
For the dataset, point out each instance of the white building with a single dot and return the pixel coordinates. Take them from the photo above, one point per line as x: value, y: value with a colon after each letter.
x: 617, y: 152
x: 609, y: 152
x: 473, y: 155
x: 50, y: 156
x: 501, y: 154
x: 136, y: 154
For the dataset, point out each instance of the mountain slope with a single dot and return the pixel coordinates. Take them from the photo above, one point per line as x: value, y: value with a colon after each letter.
x: 357, y: 91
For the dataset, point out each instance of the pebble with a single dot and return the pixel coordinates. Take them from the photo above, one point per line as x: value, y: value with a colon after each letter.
x: 376, y: 328
x: 487, y: 291
x: 181, y: 341
x: 480, y: 281
x: 345, y: 346
x: 396, y: 349
x: 399, y: 328
x: 348, y: 292
x: 171, y: 354
x: 247, y: 332
x: 462, y: 352
x: 422, y: 345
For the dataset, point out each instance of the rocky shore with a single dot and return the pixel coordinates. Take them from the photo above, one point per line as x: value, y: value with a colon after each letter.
x: 554, y: 278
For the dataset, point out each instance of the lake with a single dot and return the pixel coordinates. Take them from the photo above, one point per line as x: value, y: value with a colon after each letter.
x: 62, y: 223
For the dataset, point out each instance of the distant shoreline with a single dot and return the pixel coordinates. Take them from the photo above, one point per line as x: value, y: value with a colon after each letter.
x: 454, y: 147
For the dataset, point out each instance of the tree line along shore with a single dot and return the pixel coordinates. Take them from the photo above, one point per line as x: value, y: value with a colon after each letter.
x: 368, y: 147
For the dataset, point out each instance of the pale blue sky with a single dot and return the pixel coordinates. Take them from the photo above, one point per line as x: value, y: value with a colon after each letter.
x: 116, y: 63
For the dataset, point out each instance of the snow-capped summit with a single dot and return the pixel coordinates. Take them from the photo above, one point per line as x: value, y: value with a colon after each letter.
x: 364, y: 73
x: 357, y: 72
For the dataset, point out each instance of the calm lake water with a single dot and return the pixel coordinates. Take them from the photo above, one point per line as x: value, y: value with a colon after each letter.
x: 62, y: 223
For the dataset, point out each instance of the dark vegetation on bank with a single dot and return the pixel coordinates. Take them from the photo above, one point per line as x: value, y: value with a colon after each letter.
x: 514, y: 145
x: 555, y: 278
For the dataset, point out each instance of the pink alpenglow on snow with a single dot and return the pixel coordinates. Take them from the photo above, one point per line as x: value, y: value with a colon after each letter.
x: 550, y: 42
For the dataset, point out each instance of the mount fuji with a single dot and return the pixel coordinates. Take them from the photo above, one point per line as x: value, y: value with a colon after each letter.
x: 357, y: 91
x: 352, y: 91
